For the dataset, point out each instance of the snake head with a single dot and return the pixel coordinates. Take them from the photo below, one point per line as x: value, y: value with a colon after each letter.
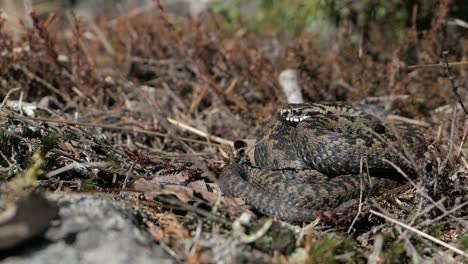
x: 292, y: 114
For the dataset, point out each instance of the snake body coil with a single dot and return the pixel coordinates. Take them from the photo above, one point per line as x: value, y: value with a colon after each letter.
x: 311, y: 156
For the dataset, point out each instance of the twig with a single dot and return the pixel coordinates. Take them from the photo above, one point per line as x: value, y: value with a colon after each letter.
x: 102, y: 38
x: 453, y: 128
x: 360, y: 194
x: 448, y: 69
x: 169, y: 251
x: 409, y: 248
x: 426, y: 210
x: 76, y: 165
x: 6, y: 159
x: 433, y: 239
x: 8, y: 95
x: 127, y: 175
x: 196, y: 238
x: 453, y: 210
x: 20, y: 103
x: 465, y: 163
x: 462, y: 141
x: 457, y: 22
x: 386, y: 98
x: 231, y: 86
x: 137, y: 11
x: 198, y: 98
x: 302, y: 231
x: 258, y: 234
x: 408, y: 120
x: 200, y: 133
x: 437, y: 65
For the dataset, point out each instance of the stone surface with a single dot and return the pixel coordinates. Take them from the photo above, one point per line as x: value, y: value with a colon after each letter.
x: 90, y: 229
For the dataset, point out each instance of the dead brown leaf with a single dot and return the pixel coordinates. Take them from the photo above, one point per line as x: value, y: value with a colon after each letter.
x: 173, y: 228
x: 156, y: 232
x: 200, y: 187
x: 184, y: 194
x: 235, y: 206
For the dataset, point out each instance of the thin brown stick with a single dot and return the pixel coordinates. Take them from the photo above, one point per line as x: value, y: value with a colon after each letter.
x: 198, y: 98
x: 361, y: 190
x: 408, y: 120
x: 76, y: 165
x: 200, y: 133
x: 451, y: 211
x: 8, y: 95
x: 102, y: 38
x: 231, y: 86
x: 448, y: 69
x: 437, y: 65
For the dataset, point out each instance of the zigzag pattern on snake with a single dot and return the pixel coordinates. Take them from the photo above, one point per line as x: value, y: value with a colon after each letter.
x: 311, y: 156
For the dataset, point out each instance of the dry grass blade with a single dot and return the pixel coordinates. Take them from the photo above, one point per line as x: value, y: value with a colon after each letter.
x: 408, y: 120
x: 437, y: 65
x: 201, y: 133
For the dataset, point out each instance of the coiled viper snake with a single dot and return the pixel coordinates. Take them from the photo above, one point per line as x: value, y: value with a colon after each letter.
x: 312, y: 156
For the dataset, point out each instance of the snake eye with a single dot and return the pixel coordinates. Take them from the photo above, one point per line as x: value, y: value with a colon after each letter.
x: 284, y: 112
x: 296, y: 112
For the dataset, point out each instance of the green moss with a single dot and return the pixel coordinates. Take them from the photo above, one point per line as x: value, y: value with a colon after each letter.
x: 49, y: 142
x: 436, y: 230
x: 463, y: 242
x: 88, y: 184
x: 28, y: 179
x: 5, y: 147
x: 112, y: 158
x: 388, y: 235
x: 278, y: 238
x: 327, y: 248
x: 395, y: 253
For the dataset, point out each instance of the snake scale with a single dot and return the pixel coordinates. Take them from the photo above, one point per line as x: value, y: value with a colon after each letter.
x: 314, y: 156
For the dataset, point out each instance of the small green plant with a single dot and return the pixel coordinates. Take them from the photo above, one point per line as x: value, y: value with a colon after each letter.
x: 28, y: 179
x: 436, y: 230
x: 325, y: 249
x: 49, y: 142
x: 463, y: 242
x: 88, y: 184
x: 395, y: 253
x: 113, y: 158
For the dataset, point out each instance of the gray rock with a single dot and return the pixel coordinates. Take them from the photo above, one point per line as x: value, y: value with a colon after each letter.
x: 91, y: 229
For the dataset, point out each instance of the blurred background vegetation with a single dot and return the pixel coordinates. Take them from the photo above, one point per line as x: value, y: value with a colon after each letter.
x: 329, y: 21
x: 359, y: 23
